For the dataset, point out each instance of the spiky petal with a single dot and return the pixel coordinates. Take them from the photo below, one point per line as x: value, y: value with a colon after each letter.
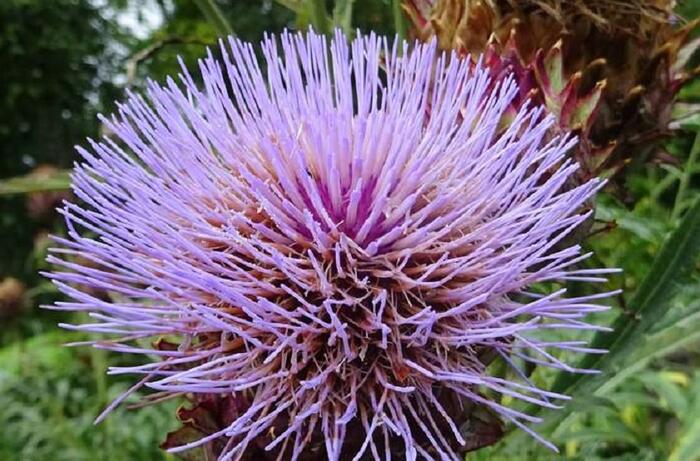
x: 325, y: 253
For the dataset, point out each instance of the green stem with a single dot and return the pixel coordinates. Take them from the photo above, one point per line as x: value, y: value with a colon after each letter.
x: 212, y: 13
x: 318, y: 16
x: 342, y: 16
x: 399, y: 20
x: 98, y: 359
x: 27, y: 184
x: 685, y: 178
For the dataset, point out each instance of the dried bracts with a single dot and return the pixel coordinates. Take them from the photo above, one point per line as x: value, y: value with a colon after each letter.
x: 609, y: 70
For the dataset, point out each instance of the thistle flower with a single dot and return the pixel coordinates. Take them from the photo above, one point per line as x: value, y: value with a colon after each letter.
x: 307, y: 241
x: 609, y: 70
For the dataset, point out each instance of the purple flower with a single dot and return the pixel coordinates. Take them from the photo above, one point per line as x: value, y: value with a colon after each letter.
x: 341, y: 236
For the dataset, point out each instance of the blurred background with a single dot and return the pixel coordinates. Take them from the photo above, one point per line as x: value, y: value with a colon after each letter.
x: 64, y: 61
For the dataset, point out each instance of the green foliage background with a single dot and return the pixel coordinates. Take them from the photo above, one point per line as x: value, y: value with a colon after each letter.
x: 64, y: 61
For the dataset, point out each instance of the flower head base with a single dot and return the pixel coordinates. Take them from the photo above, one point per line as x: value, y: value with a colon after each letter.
x: 318, y: 246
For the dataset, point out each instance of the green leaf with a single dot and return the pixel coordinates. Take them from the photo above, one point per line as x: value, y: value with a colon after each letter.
x: 686, y: 177
x: 620, y: 435
x: 685, y: 115
x: 29, y: 184
x: 682, y: 333
x: 399, y: 19
x: 644, y: 227
x: 648, y: 305
x: 342, y: 16
x: 212, y: 13
x: 671, y: 394
x: 293, y: 5
x: 634, y: 397
x: 318, y: 15
x: 633, y: 343
x: 688, y: 445
x: 593, y: 402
